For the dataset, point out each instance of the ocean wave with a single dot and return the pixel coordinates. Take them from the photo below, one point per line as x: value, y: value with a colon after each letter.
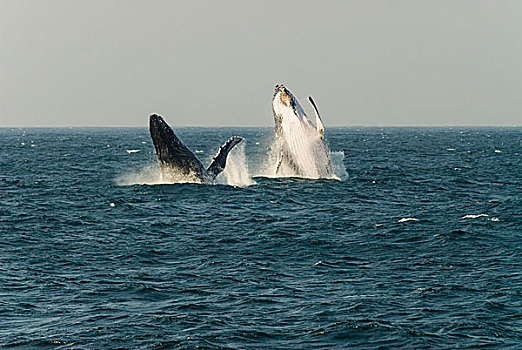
x: 474, y: 216
x: 408, y: 219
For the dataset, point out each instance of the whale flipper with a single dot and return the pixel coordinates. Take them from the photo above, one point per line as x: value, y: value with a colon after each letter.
x: 220, y: 160
x: 172, y: 153
x: 318, y: 122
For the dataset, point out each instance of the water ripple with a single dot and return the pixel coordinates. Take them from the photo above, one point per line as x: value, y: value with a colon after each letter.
x: 405, y: 252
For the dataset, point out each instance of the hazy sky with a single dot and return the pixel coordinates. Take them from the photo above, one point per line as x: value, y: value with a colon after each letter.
x: 211, y: 63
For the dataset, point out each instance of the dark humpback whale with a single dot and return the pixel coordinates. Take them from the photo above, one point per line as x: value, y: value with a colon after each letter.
x: 177, y: 162
x: 299, y: 145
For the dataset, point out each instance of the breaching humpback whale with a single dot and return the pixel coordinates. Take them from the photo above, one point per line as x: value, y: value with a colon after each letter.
x: 177, y: 162
x: 299, y: 145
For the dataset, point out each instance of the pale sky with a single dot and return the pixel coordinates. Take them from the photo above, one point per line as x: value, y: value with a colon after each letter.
x: 215, y: 63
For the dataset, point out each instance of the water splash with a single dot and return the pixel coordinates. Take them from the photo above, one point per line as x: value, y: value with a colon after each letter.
x: 339, y: 169
x: 236, y: 171
x: 308, y: 153
x: 149, y: 175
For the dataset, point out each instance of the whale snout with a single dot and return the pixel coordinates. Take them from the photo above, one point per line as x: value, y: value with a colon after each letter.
x: 159, y: 129
x: 156, y: 122
x: 280, y: 88
x: 155, y: 119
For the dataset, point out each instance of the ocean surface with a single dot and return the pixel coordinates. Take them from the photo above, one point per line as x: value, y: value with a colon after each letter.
x: 417, y: 246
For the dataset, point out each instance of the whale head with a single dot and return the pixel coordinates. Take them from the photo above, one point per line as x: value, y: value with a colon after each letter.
x: 158, y: 126
x: 286, y: 108
x: 288, y: 113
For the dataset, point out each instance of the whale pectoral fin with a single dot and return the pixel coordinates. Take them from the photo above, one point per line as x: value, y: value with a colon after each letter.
x: 280, y: 162
x: 220, y: 160
x: 318, y: 122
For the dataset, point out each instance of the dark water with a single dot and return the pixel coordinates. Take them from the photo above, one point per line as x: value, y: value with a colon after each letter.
x: 285, y: 263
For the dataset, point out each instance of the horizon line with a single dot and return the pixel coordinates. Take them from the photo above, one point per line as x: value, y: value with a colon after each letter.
x: 256, y: 126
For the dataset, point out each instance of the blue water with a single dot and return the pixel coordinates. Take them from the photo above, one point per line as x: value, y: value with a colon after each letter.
x: 419, y: 246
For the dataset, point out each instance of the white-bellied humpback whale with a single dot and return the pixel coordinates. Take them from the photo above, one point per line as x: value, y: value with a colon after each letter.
x: 299, y: 144
x: 177, y: 162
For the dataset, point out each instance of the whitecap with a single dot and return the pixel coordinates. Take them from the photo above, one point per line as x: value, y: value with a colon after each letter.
x: 473, y: 216
x: 408, y: 219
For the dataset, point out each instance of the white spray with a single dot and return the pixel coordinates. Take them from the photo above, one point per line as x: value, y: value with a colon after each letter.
x: 235, y: 173
x: 236, y: 170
